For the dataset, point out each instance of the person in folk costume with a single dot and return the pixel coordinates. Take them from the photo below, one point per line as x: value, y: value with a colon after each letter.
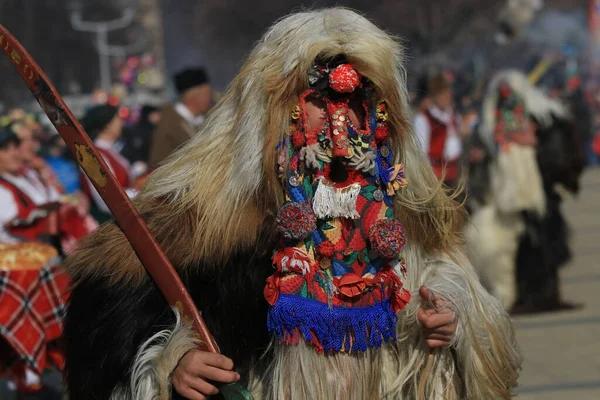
x: 296, y: 179
x: 178, y: 123
x: 438, y: 129
x: 30, y: 202
x: 545, y: 247
x: 10, y: 164
x: 66, y: 217
x: 25, y: 224
x: 105, y: 127
x: 518, y: 236
x: 29, y: 149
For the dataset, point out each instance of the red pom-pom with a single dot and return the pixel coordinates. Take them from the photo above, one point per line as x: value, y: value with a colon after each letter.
x: 298, y: 140
x: 344, y: 79
x: 296, y: 220
x: 381, y: 133
x: 388, y: 238
x: 325, y: 249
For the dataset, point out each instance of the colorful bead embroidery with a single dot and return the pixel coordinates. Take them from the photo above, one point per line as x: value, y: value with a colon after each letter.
x: 335, y: 283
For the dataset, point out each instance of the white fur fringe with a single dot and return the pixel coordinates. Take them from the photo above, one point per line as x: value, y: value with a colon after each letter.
x: 156, y: 359
x: 332, y: 202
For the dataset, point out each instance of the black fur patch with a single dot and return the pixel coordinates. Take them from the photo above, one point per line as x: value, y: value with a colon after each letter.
x: 544, y: 247
x: 105, y: 325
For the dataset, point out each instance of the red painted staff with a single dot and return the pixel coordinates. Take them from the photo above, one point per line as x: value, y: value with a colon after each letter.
x: 126, y: 215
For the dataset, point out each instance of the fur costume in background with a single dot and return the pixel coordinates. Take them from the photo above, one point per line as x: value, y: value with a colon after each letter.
x: 212, y: 207
x: 517, y: 236
x: 514, y: 18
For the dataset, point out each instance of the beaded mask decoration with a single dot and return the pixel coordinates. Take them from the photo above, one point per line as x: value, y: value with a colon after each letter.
x: 337, y: 281
x: 512, y: 120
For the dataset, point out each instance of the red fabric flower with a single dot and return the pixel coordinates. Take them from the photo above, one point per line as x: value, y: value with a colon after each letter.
x: 325, y: 249
x: 399, y: 299
x: 271, y: 291
x: 344, y: 79
x: 381, y: 133
x: 504, y: 91
x: 350, y: 285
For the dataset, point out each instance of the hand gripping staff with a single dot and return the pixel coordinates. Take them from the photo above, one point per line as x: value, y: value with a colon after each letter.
x: 131, y: 223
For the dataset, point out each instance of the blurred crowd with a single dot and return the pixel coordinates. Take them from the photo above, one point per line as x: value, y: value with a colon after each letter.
x: 47, y: 205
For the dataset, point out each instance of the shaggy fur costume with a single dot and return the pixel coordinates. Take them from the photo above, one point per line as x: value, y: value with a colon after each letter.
x: 211, y: 207
x: 518, y: 237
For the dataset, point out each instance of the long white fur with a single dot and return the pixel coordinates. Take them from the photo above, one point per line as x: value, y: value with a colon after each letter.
x: 395, y: 370
x: 494, y: 230
x: 493, y: 244
x: 156, y: 360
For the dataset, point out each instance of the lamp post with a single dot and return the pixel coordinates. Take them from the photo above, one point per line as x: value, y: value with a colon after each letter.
x: 101, y: 29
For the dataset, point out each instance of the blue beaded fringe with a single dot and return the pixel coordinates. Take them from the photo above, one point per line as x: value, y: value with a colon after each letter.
x: 369, y: 326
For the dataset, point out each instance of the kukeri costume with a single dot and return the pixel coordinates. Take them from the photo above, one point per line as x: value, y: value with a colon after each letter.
x: 518, y: 235
x: 342, y: 221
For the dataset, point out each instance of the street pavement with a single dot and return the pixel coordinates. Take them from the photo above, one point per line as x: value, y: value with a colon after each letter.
x: 561, y: 350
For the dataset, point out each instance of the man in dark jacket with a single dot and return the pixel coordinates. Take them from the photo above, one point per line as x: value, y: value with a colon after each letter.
x: 179, y: 123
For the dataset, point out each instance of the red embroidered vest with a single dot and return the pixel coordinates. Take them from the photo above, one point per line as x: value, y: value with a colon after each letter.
x: 439, y: 134
x: 38, y: 230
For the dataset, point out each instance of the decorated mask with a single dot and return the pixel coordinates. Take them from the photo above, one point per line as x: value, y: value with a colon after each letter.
x: 338, y: 268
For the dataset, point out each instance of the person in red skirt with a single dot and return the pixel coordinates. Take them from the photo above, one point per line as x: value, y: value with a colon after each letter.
x: 32, y: 286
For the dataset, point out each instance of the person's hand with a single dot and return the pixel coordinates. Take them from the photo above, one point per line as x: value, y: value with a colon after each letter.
x: 436, y: 318
x: 195, y: 370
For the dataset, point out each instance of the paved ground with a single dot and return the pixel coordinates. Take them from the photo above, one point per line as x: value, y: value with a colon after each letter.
x: 562, y: 350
